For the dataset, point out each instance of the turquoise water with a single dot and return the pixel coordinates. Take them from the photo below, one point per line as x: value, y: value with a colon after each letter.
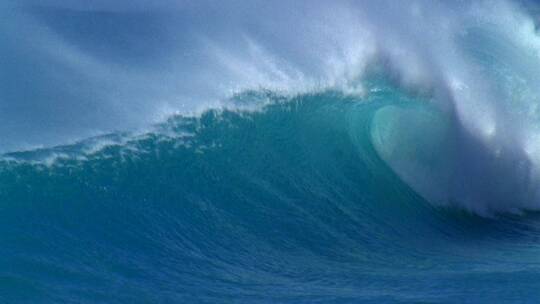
x: 290, y: 203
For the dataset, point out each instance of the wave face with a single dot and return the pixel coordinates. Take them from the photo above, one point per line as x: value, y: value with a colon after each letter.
x: 373, y: 151
x: 289, y: 203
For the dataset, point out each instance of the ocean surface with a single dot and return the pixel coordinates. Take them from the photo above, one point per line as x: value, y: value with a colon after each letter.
x: 383, y: 152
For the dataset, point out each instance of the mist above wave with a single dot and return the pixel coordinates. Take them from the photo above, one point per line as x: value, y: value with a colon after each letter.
x: 77, y: 69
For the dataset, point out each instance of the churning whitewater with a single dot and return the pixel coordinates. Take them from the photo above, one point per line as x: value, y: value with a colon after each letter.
x: 269, y: 152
